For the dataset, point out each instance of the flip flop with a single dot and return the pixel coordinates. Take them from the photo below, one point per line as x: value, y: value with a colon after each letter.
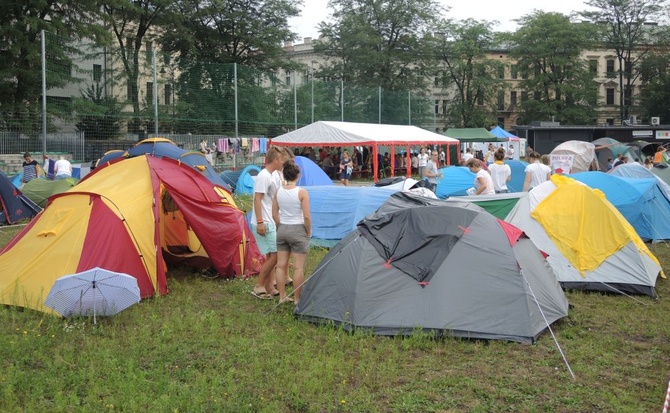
x: 261, y: 295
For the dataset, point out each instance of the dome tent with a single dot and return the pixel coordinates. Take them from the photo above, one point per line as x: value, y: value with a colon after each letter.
x: 589, y: 244
x: 416, y: 265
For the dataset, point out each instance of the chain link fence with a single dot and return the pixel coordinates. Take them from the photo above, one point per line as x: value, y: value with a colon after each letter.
x: 103, y: 94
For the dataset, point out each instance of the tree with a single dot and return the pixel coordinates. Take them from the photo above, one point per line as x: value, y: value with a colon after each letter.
x: 207, y: 39
x: 133, y: 22
x: 20, y: 65
x: 98, y: 114
x: 548, y: 47
x: 655, y: 96
x: 462, y: 48
x: 624, y: 28
x: 378, y: 43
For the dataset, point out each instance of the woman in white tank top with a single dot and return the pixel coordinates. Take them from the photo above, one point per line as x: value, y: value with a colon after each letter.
x: 290, y: 210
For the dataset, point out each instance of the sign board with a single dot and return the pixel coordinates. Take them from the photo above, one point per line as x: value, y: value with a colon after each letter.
x: 641, y: 133
x: 561, y: 164
x: 663, y: 134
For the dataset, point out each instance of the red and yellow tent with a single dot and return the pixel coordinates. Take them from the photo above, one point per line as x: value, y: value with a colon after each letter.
x: 129, y: 216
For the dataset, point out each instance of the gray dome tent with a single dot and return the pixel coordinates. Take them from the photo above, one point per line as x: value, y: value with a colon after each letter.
x: 424, y: 264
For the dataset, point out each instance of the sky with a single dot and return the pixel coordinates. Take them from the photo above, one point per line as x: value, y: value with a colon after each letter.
x: 315, y: 11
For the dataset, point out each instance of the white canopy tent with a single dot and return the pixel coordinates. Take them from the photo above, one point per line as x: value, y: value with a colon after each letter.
x: 326, y: 133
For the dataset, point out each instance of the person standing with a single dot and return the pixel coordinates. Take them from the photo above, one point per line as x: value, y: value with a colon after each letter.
x: 290, y: 210
x: 467, y: 155
x: 536, y: 172
x: 30, y: 168
x: 431, y: 172
x: 62, y: 168
x: 346, y: 166
x: 483, y: 181
x: 443, y: 158
x: 500, y: 172
x: 263, y: 226
x: 510, y: 152
x: 423, y: 161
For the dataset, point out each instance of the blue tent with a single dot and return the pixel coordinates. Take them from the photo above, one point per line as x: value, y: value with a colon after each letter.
x: 311, y: 174
x: 635, y: 170
x: 336, y: 210
x: 164, y: 148
x: 14, y: 206
x: 640, y: 200
x: 456, y: 181
x: 518, y: 175
x: 245, y: 181
x: 502, y: 133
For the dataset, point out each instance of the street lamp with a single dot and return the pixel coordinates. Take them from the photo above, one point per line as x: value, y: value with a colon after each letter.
x: 312, y: 76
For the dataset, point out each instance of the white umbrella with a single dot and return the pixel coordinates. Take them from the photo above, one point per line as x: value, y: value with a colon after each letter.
x: 97, y: 291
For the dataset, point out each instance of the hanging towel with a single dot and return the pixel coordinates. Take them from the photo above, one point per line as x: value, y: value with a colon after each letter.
x: 255, y: 145
x: 264, y: 144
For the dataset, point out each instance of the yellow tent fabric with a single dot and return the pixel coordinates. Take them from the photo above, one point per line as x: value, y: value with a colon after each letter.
x: 588, y: 231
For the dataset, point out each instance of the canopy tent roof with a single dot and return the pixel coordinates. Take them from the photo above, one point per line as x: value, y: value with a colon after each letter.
x: 329, y: 133
x: 502, y: 133
x: 473, y: 135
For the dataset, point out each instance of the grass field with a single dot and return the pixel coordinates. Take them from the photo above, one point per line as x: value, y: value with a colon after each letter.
x: 209, y: 346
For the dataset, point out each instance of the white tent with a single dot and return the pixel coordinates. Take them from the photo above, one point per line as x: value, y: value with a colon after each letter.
x: 326, y: 133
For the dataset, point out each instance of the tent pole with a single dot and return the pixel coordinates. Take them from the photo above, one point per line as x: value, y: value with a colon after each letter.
x: 408, y: 163
x: 392, y: 160
x: 375, y: 163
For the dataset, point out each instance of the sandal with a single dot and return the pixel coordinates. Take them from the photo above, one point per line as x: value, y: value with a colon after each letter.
x: 262, y: 295
x: 286, y: 300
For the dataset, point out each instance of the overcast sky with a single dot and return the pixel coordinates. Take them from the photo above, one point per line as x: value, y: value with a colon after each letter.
x: 315, y: 11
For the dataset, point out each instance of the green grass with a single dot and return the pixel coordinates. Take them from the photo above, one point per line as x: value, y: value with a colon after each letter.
x: 209, y: 346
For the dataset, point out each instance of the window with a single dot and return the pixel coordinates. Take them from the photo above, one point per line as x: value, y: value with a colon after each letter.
x: 288, y: 78
x: 437, y: 107
x: 512, y: 99
x: 444, y: 107
x: 168, y: 94
x: 609, y: 122
x: 609, y: 99
x: 149, y: 51
x: 480, y: 98
x: 150, y: 93
x: 501, y: 122
x: 593, y: 66
x: 610, y: 67
x: 524, y: 96
x: 628, y: 67
x: 537, y: 95
x: 501, y: 100
x: 515, y: 71
x: 97, y: 73
x: 627, y: 96
x: 501, y: 72
x: 131, y: 92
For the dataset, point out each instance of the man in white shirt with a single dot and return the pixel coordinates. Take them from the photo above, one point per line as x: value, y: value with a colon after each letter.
x: 468, y: 155
x: 423, y: 161
x: 62, y: 168
x: 263, y: 225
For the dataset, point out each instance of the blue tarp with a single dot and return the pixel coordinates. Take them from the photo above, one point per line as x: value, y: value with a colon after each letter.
x: 640, y: 200
x: 311, y: 174
x: 336, y: 210
x: 502, y: 133
x: 518, y: 175
x: 455, y: 181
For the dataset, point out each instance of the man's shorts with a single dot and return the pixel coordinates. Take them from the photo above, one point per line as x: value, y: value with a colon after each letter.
x: 266, y: 244
x: 292, y: 238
